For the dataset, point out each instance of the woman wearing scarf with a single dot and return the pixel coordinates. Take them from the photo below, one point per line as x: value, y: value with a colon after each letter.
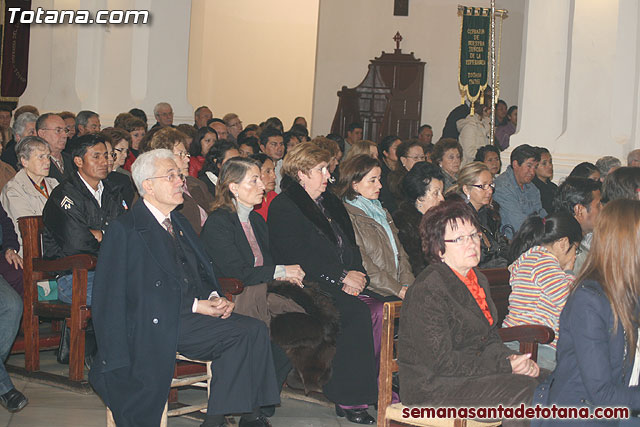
x: 382, y: 254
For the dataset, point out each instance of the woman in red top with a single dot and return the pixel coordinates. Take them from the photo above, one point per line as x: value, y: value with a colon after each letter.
x: 449, y: 352
x: 268, y: 177
x: 202, y: 143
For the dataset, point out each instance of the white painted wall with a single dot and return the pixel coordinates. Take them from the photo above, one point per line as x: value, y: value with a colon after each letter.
x: 111, y: 69
x: 254, y: 58
x: 580, y: 79
x: 352, y: 32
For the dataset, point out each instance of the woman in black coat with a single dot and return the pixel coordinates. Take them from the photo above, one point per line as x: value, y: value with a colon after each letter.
x: 422, y: 187
x: 310, y: 227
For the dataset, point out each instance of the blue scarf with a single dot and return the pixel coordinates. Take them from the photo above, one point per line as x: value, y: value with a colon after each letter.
x: 374, y: 210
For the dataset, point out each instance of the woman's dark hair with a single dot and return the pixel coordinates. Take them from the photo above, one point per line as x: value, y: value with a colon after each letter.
x: 584, y: 169
x: 140, y: 114
x: 352, y: 171
x: 442, y: 146
x: 511, y: 110
x: 274, y: 122
x: 622, y: 183
x: 260, y: 158
x: 541, y: 231
x: 250, y: 141
x: 215, y: 156
x: 417, y: 180
x: 195, y: 149
x: 482, y: 152
x: 384, y: 145
x: 542, y: 150
x: 434, y: 223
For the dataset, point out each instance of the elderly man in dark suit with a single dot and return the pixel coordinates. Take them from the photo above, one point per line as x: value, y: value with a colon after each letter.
x: 155, y: 293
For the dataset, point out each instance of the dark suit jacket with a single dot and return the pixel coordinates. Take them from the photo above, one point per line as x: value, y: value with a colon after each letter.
x: 299, y: 233
x: 136, y: 310
x: 448, y: 339
x: 594, y: 364
x: 69, y: 168
x: 224, y: 240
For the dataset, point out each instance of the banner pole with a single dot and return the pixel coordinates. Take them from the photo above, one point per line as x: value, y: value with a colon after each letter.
x: 494, y: 90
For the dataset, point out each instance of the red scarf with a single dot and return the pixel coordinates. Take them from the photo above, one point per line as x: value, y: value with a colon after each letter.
x: 471, y: 281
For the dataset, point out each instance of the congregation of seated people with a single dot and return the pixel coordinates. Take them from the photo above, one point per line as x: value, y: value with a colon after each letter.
x: 322, y: 231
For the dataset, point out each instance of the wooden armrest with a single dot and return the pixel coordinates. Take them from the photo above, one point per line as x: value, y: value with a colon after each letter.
x: 230, y: 285
x: 528, y: 333
x: 80, y: 262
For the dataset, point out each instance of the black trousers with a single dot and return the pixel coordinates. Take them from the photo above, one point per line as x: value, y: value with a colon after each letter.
x: 243, y: 376
x: 354, y: 378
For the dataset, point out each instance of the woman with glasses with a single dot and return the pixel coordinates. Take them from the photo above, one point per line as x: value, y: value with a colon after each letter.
x: 475, y: 185
x: 118, y: 180
x: 197, y: 199
x: 544, y: 250
x: 447, y: 153
x: 408, y: 153
x: 310, y: 226
x: 450, y: 353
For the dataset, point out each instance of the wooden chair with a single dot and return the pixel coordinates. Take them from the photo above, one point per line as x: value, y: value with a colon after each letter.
x: 391, y: 414
x: 196, y: 380
x: 77, y: 313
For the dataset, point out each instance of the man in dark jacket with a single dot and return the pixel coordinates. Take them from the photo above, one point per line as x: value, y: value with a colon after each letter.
x: 155, y: 294
x: 79, y: 210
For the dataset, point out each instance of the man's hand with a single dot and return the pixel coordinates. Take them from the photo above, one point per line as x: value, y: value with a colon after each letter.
x: 97, y: 234
x: 13, y: 258
x: 215, y: 307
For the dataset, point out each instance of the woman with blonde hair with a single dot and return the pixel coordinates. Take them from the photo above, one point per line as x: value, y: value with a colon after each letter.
x: 310, y: 226
x: 597, y: 355
x: 365, y: 146
x: 475, y: 185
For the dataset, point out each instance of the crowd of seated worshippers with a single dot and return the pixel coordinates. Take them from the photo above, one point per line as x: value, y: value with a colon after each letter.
x: 366, y: 222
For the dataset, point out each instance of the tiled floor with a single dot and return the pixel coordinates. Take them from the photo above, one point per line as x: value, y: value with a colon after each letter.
x: 54, y: 407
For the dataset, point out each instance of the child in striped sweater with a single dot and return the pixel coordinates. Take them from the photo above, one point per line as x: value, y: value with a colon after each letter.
x: 544, y: 250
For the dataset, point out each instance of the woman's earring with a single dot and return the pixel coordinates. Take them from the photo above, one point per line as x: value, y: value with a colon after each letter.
x: 466, y: 197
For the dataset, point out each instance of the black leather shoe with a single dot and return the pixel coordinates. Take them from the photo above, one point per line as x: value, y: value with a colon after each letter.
x: 358, y: 416
x: 261, y: 421
x: 13, y: 400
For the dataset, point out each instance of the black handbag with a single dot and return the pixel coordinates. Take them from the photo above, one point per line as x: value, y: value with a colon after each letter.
x: 90, y: 344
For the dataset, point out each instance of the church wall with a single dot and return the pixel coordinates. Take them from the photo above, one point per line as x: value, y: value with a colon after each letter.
x: 350, y: 33
x: 254, y: 58
x: 579, y: 86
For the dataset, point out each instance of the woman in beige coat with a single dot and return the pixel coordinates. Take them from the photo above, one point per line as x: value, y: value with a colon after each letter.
x: 383, y: 257
x: 27, y: 192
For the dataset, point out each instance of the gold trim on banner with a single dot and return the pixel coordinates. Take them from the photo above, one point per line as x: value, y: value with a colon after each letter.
x: 464, y: 89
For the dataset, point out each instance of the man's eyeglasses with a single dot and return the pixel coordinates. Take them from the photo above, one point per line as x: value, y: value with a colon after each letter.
x: 484, y: 186
x: 475, y: 237
x: 58, y: 130
x: 183, y: 155
x: 172, y: 177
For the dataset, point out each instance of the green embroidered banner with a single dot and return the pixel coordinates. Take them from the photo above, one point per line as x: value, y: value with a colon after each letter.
x: 474, y: 53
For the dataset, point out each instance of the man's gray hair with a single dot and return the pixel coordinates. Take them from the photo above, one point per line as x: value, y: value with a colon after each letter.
x: 145, y: 166
x: 20, y: 124
x: 604, y: 164
x: 83, y: 118
x: 160, y: 105
x: 633, y: 156
x: 26, y: 146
